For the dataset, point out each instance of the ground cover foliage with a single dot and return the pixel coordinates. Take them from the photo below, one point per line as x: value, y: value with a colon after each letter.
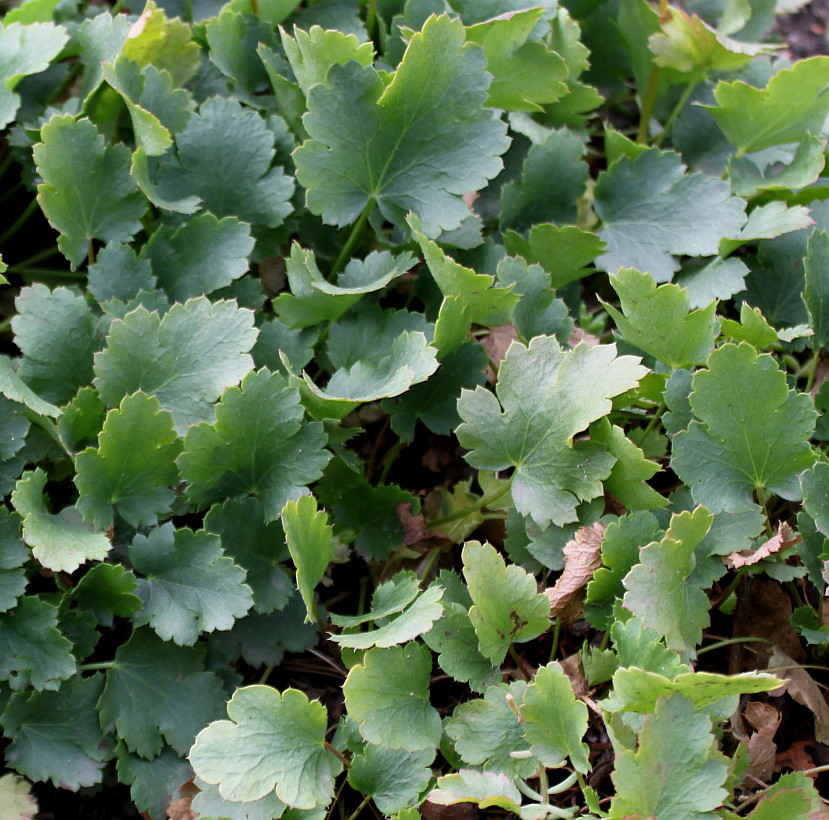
x: 414, y: 407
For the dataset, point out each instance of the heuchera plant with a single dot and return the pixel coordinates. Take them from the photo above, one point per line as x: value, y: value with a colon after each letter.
x: 415, y: 393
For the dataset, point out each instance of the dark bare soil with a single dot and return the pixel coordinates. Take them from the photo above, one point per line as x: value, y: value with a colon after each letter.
x: 806, y: 31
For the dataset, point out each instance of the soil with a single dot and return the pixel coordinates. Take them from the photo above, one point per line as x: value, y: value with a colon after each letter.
x: 805, y: 33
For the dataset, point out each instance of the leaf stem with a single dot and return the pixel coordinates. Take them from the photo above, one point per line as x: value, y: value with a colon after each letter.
x: 677, y: 109
x: 518, y: 663
x: 761, y: 497
x: 353, y: 237
x: 732, y: 586
x: 389, y: 459
x: 543, y: 785
x: 729, y: 641
x: 556, y: 634
x: 266, y: 673
x: 91, y: 667
x: 811, y: 373
x: 356, y: 813
x: 35, y: 258
x: 654, y: 419
x: 338, y: 754
x: 647, y: 106
x: 19, y: 222
x: 371, y: 17
x: 486, y: 501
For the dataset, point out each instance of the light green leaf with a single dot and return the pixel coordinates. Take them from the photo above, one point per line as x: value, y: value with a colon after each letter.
x: 652, y: 210
x: 58, y: 335
x: 526, y: 73
x: 659, y: 589
x: 185, y: 359
x: 658, y: 320
x: 555, y: 720
x: 133, y: 467
x: 636, y: 645
x: 14, y: 388
x: 166, y: 44
x: 394, y: 779
x: 260, y: 444
x: 388, y: 696
x: 530, y: 426
x: 708, y: 280
x: 101, y: 39
x: 795, y: 102
x: 390, y: 598
x: 487, y: 730
x: 507, y: 607
x: 752, y: 328
x: 16, y: 799
x: 25, y: 50
x: 200, y: 256
x: 816, y: 289
x: 273, y: 743
x: 752, y: 432
x: 156, y: 692
x: 768, y: 221
x: 33, y: 652
x: 189, y: 585
x: 747, y: 179
x: 311, y: 543
x: 405, y: 146
x: 815, y: 486
x: 675, y: 774
x: 785, y: 804
x: 56, y: 735
x: 102, y: 203
x: 210, y: 805
x: 232, y: 39
x: 59, y: 542
x: 485, y: 789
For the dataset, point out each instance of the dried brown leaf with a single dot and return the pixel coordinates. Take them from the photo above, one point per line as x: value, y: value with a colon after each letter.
x: 579, y: 334
x: 582, y: 557
x: 801, y: 687
x: 180, y: 809
x: 414, y: 526
x: 496, y: 346
x: 762, y: 749
x: 796, y: 757
x: 784, y: 539
x: 572, y: 669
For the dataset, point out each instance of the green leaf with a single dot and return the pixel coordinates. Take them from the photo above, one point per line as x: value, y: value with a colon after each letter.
x: 652, y: 210
x: 816, y: 289
x: 260, y: 444
x: 156, y: 109
x: 313, y: 299
x: 751, y: 434
x: 785, y: 803
x: 232, y: 39
x: 659, y: 589
x: 717, y: 279
x: 525, y: 73
x: 564, y: 252
x: 388, y: 696
x: 102, y: 203
x: 157, y: 692
x: 658, y: 320
x: 486, y: 789
x: 768, y: 221
x: 185, y: 359
x: 223, y: 158
x: 33, y: 652
x: 627, y: 478
x: 507, y: 608
x: 58, y: 335
x: 273, y: 742
x: 620, y: 551
x: 210, y: 805
x: 311, y: 543
x: 813, y: 483
x: 752, y: 328
x: 155, y: 783
x: 487, y: 730
x: 59, y: 542
x: 200, y: 256
x: 312, y: 53
x: 101, y: 40
x: 255, y: 545
x: 25, y: 50
x: 413, y: 621
x: 14, y: 388
x: 390, y: 598
x: 406, y: 146
x: 747, y: 178
x: 15, y: 797
x: 56, y: 735
x: 13, y: 554
x: 675, y: 774
x: 14, y: 427
x: 133, y: 467
x: 454, y: 638
x: 107, y: 590
x: 636, y: 645
x: 530, y: 426
x: 795, y: 102
x: 394, y: 779
x: 367, y: 511
x: 555, y: 720
x: 166, y: 44
x: 553, y: 177
x: 189, y: 585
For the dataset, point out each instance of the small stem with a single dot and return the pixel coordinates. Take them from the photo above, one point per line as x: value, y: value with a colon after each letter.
x: 90, y: 667
x: 263, y: 678
x: 356, y: 813
x: 10, y: 191
x: 30, y: 274
x: 323, y: 628
x: 37, y: 257
x: 654, y: 420
x: 371, y: 18
x: 5, y: 325
x: 519, y: 665
x: 811, y: 373
x: 336, y: 799
x: 729, y: 641
x: 388, y: 461
x: 188, y: 11
x: 90, y: 254
x: 353, y: 237
x: 677, y: 109
x: 556, y: 634
x: 732, y: 586
x: 338, y: 754
x: 647, y: 107
x: 486, y: 501
x: 543, y: 785
x: 428, y: 563
x: 761, y: 497
x: 19, y: 222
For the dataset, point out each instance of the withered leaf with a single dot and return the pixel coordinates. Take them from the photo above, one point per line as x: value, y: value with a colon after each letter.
x: 762, y: 749
x: 784, y: 539
x: 802, y: 688
x: 582, y: 557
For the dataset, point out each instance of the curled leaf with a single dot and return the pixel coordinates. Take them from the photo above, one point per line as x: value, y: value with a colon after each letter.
x: 582, y: 557
x: 784, y: 539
